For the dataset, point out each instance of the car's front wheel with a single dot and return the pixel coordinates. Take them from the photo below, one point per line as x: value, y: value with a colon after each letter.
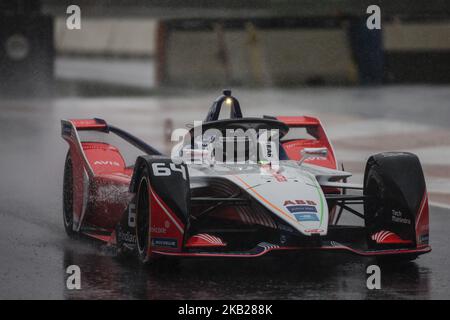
x: 395, y: 187
x: 143, y: 218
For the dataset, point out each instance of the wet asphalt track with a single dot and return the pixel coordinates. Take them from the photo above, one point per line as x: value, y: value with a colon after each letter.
x: 34, y: 250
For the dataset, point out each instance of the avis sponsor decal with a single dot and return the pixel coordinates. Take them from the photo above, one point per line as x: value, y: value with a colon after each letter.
x: 165, y: 242
x: 106, y: 163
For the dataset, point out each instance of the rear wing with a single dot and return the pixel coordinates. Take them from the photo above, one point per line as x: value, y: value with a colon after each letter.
x: 70, y: 128
x: 69, y: 132
x: 299, y: 120
x: 88, y: 124
x: 311, y: 124
x: 67, y: 126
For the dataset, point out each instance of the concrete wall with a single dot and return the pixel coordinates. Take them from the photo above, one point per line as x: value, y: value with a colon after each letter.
x: 136, y: 36
x: 414, y: 52
x: 301, y: 55
x: 258, y: 57
x: 416, y: 36
x: 133, y: 37
x: 417, y: 53
x: 252, y: 56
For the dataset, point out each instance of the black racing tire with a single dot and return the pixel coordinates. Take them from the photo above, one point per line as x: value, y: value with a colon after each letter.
x: 68, y: 197
x: 374, y: 209
x: 375, y: 216
x: 143, y: 218
x: 390, y: 182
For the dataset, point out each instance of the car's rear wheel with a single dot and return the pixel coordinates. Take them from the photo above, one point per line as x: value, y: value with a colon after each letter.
x: 68, y: 196
x: 143, y: 217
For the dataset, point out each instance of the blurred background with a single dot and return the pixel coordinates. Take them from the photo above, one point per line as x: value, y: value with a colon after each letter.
x: 142, y: 45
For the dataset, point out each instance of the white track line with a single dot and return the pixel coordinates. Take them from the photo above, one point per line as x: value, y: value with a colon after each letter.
x: 440, y: 205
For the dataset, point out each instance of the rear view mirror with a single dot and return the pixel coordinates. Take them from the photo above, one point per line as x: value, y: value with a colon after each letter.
x: 309, y: 153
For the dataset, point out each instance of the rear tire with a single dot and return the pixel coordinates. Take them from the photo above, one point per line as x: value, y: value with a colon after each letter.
x: 68, y: 197
x: 143, y: 219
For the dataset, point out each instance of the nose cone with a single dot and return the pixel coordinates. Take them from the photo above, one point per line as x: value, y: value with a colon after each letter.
x: 292, y: 194
x: 301, y: 205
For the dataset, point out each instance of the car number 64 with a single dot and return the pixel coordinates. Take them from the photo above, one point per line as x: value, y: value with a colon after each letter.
x: 166, y: 169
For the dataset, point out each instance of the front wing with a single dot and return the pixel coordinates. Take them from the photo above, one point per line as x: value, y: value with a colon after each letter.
x: 265, y: 248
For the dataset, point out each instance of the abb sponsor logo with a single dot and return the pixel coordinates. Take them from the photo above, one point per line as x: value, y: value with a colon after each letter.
x: 294, y: 202
x: 106, y: 163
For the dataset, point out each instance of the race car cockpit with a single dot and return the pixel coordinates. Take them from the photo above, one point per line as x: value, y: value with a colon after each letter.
x: 238, y: 138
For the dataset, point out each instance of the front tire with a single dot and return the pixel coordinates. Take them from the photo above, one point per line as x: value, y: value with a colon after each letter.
x: 143, y: 219
x: 376, y: 212
x: 395, y: 185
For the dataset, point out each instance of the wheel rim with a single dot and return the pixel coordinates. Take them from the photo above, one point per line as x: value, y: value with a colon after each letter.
x: 142, y: 217
x: 68, y: 194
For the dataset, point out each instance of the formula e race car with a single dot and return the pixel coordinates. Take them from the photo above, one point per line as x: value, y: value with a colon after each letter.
x: 238, y: 187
